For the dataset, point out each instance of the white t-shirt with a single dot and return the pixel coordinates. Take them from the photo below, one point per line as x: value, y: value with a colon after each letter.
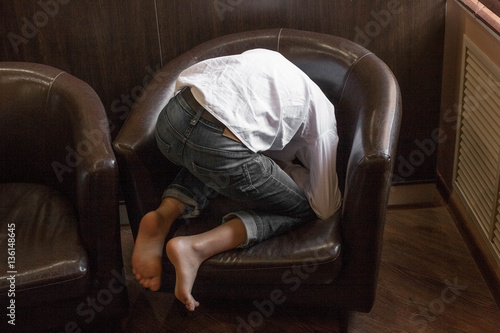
x: 276, y: 109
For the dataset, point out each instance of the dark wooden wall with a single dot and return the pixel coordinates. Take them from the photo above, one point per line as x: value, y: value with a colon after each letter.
x: 116, y: 45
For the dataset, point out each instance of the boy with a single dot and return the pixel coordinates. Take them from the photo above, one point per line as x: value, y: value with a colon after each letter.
x: 236, y: 125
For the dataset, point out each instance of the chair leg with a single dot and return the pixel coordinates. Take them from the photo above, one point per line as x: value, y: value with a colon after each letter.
x: 344, y: 316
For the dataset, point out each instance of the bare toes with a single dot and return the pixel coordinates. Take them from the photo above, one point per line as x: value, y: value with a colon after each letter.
x: 186, y: 261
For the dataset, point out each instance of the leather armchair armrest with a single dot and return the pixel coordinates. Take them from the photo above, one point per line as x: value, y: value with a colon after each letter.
x: 96, y: 175
x: 369, y: 170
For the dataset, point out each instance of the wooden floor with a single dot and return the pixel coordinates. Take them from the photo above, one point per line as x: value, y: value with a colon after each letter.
x: 428, y: 283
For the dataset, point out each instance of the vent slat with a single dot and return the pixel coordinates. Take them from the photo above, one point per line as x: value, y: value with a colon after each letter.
x: 496, y: 234
x: 496, y: 239
x: 484, y: 91
x: 478, y: 170
x: 474, y: 204
x: 485, y: 152
x: 476, y: 189
x: 484, y: 113
x: 485, y: 85
x: 478, y: 195
x: 489, y: 72
x: 477, y: 104
x: 478, y: 183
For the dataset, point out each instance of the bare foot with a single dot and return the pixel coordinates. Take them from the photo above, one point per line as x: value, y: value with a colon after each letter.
x: 186, y: 260
x: 148, y: 250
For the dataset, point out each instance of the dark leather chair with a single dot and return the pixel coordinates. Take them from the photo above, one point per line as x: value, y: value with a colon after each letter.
x: 58, y: 204
x: 333, y: 262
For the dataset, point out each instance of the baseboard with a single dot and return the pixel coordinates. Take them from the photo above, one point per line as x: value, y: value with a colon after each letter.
x: 413, y: 194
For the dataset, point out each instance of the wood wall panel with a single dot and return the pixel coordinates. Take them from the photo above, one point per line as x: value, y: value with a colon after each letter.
x: 108, y: 44
x: 115, y: 46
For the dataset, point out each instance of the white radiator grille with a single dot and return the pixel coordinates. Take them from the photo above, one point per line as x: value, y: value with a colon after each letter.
x: 477, y: 163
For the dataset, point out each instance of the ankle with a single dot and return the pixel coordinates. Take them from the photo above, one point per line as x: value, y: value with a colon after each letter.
x: 171, y: 208
x: 188, y: 244
x: 153, y: 224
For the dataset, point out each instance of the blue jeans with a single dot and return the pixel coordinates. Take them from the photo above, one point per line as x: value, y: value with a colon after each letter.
x: 272, y: 203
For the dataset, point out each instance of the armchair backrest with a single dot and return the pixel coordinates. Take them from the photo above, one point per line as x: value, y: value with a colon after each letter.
x: 367, y: 100
x: 353, y: 78
x: 50, y: 121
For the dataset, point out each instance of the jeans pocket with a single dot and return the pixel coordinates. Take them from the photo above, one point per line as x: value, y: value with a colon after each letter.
x: 168, y: 150
x: 163, y: 146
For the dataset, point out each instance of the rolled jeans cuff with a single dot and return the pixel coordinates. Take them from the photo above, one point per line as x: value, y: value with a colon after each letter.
x: 194, y: 204
x: 250, y: 221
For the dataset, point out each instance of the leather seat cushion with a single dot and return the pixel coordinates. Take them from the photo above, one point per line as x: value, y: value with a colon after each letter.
x: 311, y: 253
x: 50, y: 260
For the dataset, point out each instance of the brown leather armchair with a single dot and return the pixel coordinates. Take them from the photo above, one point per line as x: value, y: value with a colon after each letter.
x: 333, y: 262
x: 60, y: 259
